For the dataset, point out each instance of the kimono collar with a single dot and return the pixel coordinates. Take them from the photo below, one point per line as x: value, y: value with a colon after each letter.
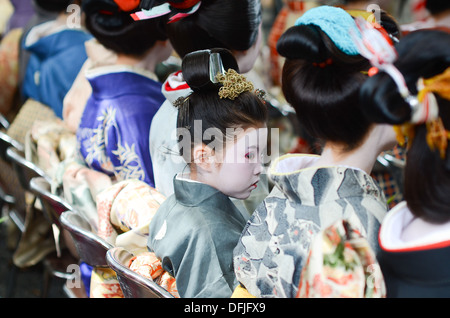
x: 300, y: 181
x: 108, y: 81
x: 193, y: 193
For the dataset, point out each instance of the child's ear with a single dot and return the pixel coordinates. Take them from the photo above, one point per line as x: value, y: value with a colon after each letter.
x: 203, y: 157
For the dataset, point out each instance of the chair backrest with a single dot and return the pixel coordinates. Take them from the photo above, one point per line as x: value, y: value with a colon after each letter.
x: 6, y: 142
x: 133, y: 285
x: 52, y: 204
x: 90, y: 247
x: 25, y: 169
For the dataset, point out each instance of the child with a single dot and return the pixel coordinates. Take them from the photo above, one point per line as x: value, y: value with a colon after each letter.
x: 415, y: 235
x: 195, y: 230
x: 232, y: 24
x: 321, y: 79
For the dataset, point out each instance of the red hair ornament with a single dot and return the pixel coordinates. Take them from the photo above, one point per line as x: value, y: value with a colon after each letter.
x: 168, y: 7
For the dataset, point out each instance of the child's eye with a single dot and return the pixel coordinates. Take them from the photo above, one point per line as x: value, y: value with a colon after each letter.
x: 250, y: 155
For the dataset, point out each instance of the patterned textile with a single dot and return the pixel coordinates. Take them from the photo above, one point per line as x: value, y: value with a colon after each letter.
x: 30, y: 111
x: 125, y: 211
x: 391, y: 180
x: 114, y: 129
x: 48, y: 143
x: 104, y: 284
x: 341, y: 264
x: 149, y: 266
x: 81, y: 186
x: 274, y: 245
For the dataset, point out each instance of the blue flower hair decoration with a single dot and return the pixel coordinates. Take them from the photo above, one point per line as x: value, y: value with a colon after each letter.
x: 336, y: 23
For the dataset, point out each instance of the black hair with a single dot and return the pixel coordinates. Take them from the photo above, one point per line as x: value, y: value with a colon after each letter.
x: 246, y: 110
x: 53, y: 5
x: 325, y: 97
x: 422, y: 54
x: 230, y: 24
x: 437, y: 6
x: 116, y: 30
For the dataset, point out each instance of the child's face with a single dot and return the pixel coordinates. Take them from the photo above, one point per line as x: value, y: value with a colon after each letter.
x: 238, y: 174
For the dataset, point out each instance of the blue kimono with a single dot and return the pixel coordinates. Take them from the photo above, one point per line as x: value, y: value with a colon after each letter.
x: 54, y: 63
x: 115, y: 125
x: 193, y: 233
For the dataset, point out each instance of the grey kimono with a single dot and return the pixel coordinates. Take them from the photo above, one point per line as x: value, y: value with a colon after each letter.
x: 194, y: 232
x: 275, y: 242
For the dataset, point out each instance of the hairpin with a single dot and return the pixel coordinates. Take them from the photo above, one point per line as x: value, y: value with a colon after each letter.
x: 215, y: 66
x: 180, y: 101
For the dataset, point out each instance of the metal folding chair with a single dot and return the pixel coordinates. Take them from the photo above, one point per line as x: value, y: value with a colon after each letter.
x: 34, y: 180
x: 91, y: 247
x: 16, y: 213
x: 52, y: 207
x: 133, y: 285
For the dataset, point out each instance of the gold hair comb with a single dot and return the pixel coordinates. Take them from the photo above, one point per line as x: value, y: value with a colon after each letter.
x: 234, y: 84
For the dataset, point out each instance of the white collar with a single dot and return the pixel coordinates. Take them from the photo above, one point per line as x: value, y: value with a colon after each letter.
x: 400, y: 222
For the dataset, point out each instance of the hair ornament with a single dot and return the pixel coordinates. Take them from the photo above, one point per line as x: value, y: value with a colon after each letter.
x: 261, y: 94
x: 335, y: 23
x: 180, y: 101
x: 234, y: 84
x: 437, y: 136
x: 328, y: 61
x: 127, y: 5
x: 378, y: 48
x: 182, y: 10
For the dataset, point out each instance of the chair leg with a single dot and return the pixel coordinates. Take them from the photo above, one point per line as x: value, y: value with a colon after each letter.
x: 46, y: 283
x: 13, y: 273
x: 12, y: 278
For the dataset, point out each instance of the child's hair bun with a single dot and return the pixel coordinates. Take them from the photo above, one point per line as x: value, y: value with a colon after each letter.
x: 196, y: 70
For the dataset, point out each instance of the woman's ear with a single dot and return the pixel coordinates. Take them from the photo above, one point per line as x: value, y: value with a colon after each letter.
x: 203, y: 157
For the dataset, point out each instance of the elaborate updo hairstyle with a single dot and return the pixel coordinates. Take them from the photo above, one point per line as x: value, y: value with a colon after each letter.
x: 111, y: 24
x: 217, y: 105
x: 421, y: 54
x: 323, y: 73
x: 230, y: 24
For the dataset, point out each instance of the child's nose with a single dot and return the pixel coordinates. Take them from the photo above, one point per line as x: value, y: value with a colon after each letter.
x: 258, y: 168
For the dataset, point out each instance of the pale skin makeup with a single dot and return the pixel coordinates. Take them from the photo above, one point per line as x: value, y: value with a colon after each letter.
x: 235, y: 171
